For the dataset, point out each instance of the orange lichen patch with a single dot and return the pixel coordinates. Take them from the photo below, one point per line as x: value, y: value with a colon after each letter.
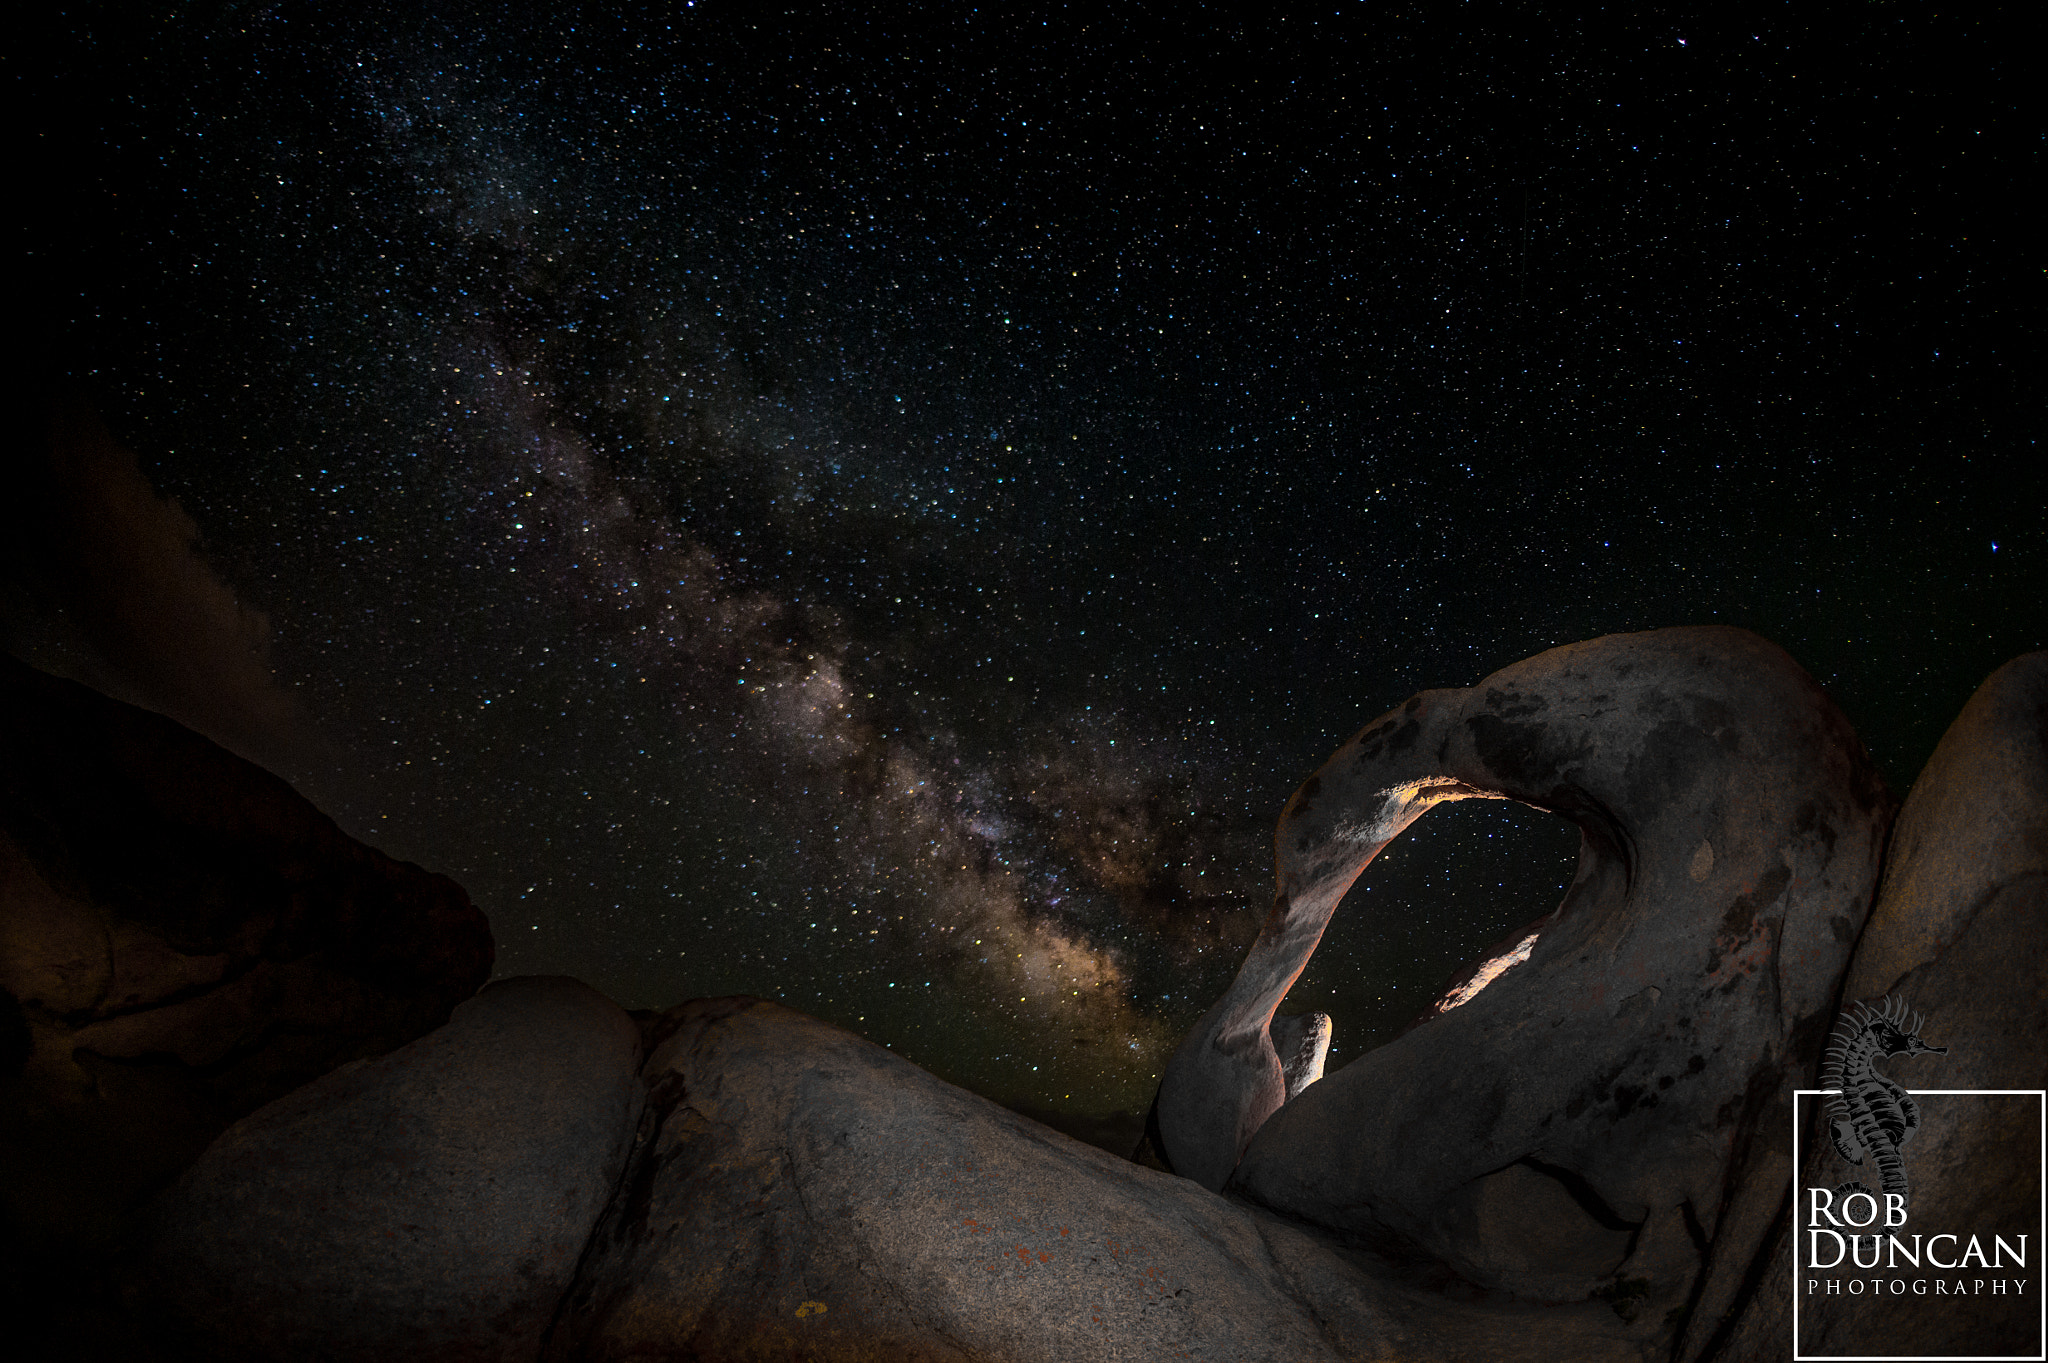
x: 1024, y: 1254
x: 810, y: 1308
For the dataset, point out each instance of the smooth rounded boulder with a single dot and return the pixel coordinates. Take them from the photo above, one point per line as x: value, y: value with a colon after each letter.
x: 1959, y: 938
x: 799, y: 1192
x: 427, y: 1205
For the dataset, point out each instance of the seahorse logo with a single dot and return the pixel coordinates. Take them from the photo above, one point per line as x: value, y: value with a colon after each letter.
x: 1870, y: 1117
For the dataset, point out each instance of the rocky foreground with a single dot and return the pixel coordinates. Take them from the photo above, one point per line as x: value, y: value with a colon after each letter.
x: 238, y: 1119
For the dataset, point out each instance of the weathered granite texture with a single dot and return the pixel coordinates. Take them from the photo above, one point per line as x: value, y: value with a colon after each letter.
x: 1612, y: 1114
x: 800, y: 1193
x: 183, y: 938
x: 427, y: 1205
x: 1960, y: 935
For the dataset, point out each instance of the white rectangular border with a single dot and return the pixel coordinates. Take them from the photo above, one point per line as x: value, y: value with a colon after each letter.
x: 1798, y: 1357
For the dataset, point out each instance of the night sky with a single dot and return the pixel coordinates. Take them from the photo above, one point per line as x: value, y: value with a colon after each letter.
x: 878, y: 506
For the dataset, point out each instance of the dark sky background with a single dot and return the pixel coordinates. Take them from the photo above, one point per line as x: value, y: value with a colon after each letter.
x: 878, y: 506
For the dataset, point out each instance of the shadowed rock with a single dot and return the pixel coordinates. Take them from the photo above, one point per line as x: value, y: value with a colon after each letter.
x: 1609, y: 1113
x: 798, y: 1192
x: 427, y: 1205
x: 1960, y: 936
x: 183, y: 938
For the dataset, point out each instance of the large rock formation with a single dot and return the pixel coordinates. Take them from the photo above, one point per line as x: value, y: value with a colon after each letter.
x: 1959, y: 936
x: 1610, y: 1112
x: 798, y: 1192
x: 428, y: 1205
x: 182, y: 939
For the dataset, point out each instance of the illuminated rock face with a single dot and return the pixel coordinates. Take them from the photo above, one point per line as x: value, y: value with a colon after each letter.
x: 1610, y: 1108
x: 1302, y: 1043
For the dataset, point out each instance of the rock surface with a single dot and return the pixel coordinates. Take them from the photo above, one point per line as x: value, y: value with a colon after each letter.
x: 1302, y: 1043
x: 1611, y: 1114
x: 1960, y: 934
x: 798, y: 1192
x: 183, y: 938
x: 427, y: 1205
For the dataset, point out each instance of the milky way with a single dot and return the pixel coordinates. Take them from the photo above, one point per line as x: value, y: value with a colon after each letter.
x: 879, y: 512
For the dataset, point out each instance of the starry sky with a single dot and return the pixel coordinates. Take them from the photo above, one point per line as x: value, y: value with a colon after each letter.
x: 877, y: 506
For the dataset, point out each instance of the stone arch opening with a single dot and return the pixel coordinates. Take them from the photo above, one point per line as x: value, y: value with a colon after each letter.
x: 1459, y: 887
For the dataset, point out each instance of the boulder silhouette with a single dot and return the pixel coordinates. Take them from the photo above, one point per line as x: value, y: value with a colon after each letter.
x: 183, y: 938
